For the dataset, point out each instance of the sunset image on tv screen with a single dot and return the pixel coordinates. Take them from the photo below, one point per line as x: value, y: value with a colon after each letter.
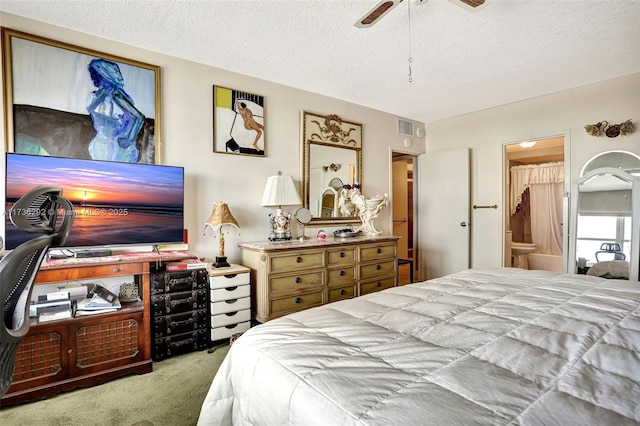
x: 114, y: 203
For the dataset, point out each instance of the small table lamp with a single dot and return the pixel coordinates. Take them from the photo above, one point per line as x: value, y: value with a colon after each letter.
x: 220, y: 216
x: 280, y: 191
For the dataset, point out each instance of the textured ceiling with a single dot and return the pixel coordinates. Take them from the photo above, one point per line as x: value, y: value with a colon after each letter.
x: 463, y: 61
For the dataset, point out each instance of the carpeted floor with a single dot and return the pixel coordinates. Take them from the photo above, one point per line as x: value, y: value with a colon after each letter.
x: 171, y: 395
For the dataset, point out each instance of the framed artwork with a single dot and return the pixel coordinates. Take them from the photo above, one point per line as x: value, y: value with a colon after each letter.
x: 68, y: 101
x: 238, y: 122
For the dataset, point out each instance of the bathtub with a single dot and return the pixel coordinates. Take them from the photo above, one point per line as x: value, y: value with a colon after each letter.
x: 545, y: 262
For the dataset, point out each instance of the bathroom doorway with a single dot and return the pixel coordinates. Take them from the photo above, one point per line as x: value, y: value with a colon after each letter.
x: 536, y: 206
x: 403, y: 209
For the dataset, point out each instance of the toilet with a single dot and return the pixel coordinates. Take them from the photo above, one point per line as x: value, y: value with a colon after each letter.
x: 520, y: 252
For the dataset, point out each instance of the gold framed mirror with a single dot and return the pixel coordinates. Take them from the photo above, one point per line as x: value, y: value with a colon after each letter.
x: 331, y: 158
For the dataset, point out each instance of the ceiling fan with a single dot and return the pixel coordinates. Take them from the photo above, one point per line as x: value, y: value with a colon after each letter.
x: 384, y: 6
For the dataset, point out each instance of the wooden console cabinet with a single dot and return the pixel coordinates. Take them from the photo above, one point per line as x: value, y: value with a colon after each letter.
x: 291, y: 276
x: 85, y: 351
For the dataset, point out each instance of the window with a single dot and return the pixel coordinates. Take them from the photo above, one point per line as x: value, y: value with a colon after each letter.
x: 595, y: 230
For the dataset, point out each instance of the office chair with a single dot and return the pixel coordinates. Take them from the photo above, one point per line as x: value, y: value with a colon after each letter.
x: 611, y: 248
x: 42, y: 210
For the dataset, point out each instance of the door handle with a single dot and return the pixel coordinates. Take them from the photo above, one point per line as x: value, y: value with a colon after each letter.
x: 463, y: 224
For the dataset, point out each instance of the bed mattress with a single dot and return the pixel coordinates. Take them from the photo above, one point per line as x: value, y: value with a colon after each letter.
x: 485, y: 347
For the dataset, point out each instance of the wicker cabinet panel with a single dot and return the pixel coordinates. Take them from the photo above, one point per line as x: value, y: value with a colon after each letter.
x: 40, y: 359
x: 105, y: 344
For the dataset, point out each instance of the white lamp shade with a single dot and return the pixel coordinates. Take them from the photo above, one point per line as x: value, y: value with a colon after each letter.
x: 280, y: 191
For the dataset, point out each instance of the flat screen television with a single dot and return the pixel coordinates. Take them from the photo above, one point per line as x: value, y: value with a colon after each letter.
x: 115, y: 204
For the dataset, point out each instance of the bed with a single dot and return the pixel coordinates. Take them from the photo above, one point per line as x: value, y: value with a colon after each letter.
x: 483, y: 347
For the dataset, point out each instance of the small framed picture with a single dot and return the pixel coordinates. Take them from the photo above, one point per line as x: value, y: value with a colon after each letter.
x: 238, y: 122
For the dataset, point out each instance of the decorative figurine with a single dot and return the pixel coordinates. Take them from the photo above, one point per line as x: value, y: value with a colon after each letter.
x: 369, y: 209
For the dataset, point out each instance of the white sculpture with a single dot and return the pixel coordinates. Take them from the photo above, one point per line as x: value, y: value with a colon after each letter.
x: 369, y: 209
x: 347, y: 208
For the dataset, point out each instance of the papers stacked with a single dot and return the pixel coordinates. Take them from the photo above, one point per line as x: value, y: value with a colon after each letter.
x: 96, y: 305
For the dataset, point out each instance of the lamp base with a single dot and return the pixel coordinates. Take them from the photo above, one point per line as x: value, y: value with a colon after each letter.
x: 221, y: 262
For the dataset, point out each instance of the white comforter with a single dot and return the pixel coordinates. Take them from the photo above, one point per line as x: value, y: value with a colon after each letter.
x: 484, y: 347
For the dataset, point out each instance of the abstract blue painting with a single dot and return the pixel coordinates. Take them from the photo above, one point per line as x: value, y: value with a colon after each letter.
x: 69, y: 101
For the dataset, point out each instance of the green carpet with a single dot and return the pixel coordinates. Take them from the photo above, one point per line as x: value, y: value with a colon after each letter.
x: 171, y: 395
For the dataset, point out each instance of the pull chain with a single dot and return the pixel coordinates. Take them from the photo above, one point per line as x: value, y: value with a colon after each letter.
x: 410, y: 58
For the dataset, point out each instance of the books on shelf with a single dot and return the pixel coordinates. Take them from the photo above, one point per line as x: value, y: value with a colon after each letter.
x: 186, y: 264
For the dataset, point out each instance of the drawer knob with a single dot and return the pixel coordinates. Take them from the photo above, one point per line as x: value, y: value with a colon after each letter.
x: 298, y: 280
x: 378, y: 267
x: 342, y: 254
x: 298, y: 299
x: 379, y: 284
x: 299, y: 259
x: 379, y: 250
x: 116, y: 270
x: 342, y: 273
x: 342, y: 291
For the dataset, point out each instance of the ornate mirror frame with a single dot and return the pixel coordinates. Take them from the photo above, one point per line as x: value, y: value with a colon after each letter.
x: 340, y: 142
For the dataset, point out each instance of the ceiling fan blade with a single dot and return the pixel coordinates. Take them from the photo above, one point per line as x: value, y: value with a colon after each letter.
x: 470, y: 5
x: 377, y: 12
x: 473, y: 3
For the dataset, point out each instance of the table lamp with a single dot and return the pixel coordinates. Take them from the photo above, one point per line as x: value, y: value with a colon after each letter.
x: 220, y: 216
x: 280, y: 191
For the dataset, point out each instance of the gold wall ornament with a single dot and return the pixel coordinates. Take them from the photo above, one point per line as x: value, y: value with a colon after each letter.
x: 610, y: 130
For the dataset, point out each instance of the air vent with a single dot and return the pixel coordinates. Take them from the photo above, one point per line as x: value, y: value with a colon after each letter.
x: 405, y: 127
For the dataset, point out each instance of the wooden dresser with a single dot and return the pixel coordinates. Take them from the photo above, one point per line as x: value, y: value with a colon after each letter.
x: 292, y: 276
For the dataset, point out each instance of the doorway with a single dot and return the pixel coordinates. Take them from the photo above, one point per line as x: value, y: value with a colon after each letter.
x: 535, y: 204
x: 403, y: 211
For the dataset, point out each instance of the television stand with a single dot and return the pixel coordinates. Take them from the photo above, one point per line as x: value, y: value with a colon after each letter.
x: 85, y: 351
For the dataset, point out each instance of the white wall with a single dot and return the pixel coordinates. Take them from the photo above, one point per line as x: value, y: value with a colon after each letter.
x: 187, y: 132
x: 565, y: 112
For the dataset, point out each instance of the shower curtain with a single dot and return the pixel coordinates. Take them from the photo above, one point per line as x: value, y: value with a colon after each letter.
x: 546, y: 186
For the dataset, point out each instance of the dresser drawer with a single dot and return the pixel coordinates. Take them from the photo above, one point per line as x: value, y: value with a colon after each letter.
x: 230, y: 305
x: 376, y: 285
x: 286, y: 305
x: 229, y: 330
x: 304, y: 260
x: 223, y: 281
x: 342, y: 256
x: 341, y: 276
x: 234, y: 317
x: 380, y: 251
x: 234, y: 292
x: 377, y: 269
x: 300, y: 282
x: 336, y: 294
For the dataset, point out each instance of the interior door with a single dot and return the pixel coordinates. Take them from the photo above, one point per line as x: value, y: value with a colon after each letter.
x: 444, y: 198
